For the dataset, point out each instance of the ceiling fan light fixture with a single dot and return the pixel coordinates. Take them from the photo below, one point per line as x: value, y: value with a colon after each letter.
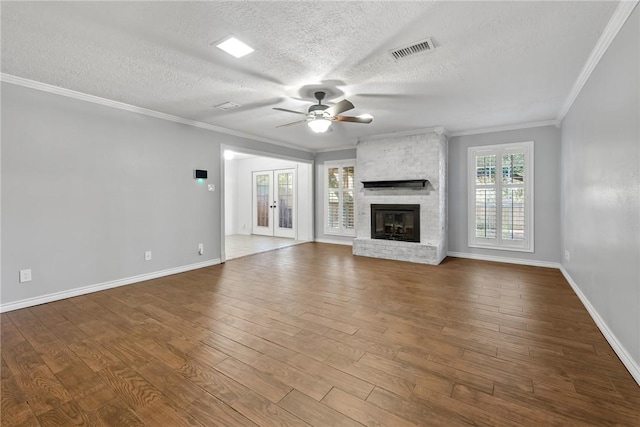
x: 319, y: 125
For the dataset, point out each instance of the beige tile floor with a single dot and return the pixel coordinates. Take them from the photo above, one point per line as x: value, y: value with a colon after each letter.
x: 240, y: 245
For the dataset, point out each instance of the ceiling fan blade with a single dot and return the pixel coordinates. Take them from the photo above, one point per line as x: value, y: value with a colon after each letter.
x: 291, y: 124
x: 340, y: 107
x: 289, y: 111
x: 353, y: 119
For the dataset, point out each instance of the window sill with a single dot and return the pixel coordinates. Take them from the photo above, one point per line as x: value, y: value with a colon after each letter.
x: 501, y: 248
x: 338, y: 234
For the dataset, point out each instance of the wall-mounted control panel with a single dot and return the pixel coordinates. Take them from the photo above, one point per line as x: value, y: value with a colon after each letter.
x: 199, y: 174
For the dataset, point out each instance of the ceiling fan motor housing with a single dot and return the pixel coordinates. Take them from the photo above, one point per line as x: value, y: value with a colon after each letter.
x: 317, y: 107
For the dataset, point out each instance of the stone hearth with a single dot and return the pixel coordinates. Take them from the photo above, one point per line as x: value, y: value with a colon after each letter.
x: 406, y: 156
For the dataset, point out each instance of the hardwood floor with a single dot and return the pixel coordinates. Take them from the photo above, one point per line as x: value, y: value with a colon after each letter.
x: 310, y: 335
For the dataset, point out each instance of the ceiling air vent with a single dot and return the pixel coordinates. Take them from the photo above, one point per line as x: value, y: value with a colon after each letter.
x: 418, y: 47
x: 226, y: 106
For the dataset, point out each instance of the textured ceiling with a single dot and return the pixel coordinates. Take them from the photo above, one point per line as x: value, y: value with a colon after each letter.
x: 496, y: 63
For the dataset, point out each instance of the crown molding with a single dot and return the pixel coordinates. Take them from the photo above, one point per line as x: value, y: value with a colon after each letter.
x: 438, y: 130
x: 619, y: 17
x: 44, y: 87
x: 336, y: 148
x: 506, y: 128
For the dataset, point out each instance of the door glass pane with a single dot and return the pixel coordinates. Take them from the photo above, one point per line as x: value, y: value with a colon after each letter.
x: 285, y: 199
x: 262, y: 199
x: 513, y: 168
x: 486, y: 221
x: 513, y: 213
x: 486, y: 169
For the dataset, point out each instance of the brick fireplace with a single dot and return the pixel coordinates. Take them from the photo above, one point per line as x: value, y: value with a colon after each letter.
x: 401, y: 158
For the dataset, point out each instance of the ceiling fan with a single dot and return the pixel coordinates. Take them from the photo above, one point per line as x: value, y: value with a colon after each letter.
x: 320, y: 116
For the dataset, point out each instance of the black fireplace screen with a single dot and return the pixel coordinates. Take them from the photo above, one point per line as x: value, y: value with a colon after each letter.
x: 395, y: 222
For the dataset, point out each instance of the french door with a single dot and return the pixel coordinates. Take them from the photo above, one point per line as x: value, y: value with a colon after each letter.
x: 274, y: 203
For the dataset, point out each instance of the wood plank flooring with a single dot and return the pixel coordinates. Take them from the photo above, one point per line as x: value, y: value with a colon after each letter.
x: 311, y: 335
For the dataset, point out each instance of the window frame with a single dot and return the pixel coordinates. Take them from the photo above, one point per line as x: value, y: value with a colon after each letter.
x: 340, y: 231
x: 525, y: 245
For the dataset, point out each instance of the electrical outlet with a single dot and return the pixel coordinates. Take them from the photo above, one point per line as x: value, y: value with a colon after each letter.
x: 25, y: 275
x: 147, y: 255
x: 567, y: 255
x: 200, y: 248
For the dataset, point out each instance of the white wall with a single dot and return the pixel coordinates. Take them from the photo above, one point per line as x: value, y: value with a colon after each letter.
x: 86, y: 189
x: 546, y: 193
x: 305, y: 201
x: 231, y: 195
x: 600, y: 176
x: 238, y: 196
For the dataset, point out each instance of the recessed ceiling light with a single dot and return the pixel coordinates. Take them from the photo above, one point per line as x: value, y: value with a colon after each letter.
x: 235, y: 47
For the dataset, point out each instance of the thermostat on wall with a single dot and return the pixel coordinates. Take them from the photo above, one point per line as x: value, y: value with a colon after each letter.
x: 199, y: 174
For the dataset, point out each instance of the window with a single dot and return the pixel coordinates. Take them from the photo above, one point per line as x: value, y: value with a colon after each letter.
x: 501, y: 196
x: 339, y: 208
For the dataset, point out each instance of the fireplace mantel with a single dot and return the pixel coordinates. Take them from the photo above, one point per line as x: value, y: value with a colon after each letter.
x: 400, y: 183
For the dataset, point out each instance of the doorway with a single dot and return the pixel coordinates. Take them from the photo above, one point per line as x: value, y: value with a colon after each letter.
x: 268, y: 204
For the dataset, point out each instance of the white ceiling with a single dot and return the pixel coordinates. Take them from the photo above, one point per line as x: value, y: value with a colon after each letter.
x: 496, y: 63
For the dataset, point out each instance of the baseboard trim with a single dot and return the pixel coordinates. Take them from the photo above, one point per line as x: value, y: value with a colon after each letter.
x: 334, y: 242
x: 30, y: 302
x: 492, y: 258
x: 632, y: 366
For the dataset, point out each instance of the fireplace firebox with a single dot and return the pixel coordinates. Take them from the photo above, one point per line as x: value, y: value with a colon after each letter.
x: 395, y: 222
